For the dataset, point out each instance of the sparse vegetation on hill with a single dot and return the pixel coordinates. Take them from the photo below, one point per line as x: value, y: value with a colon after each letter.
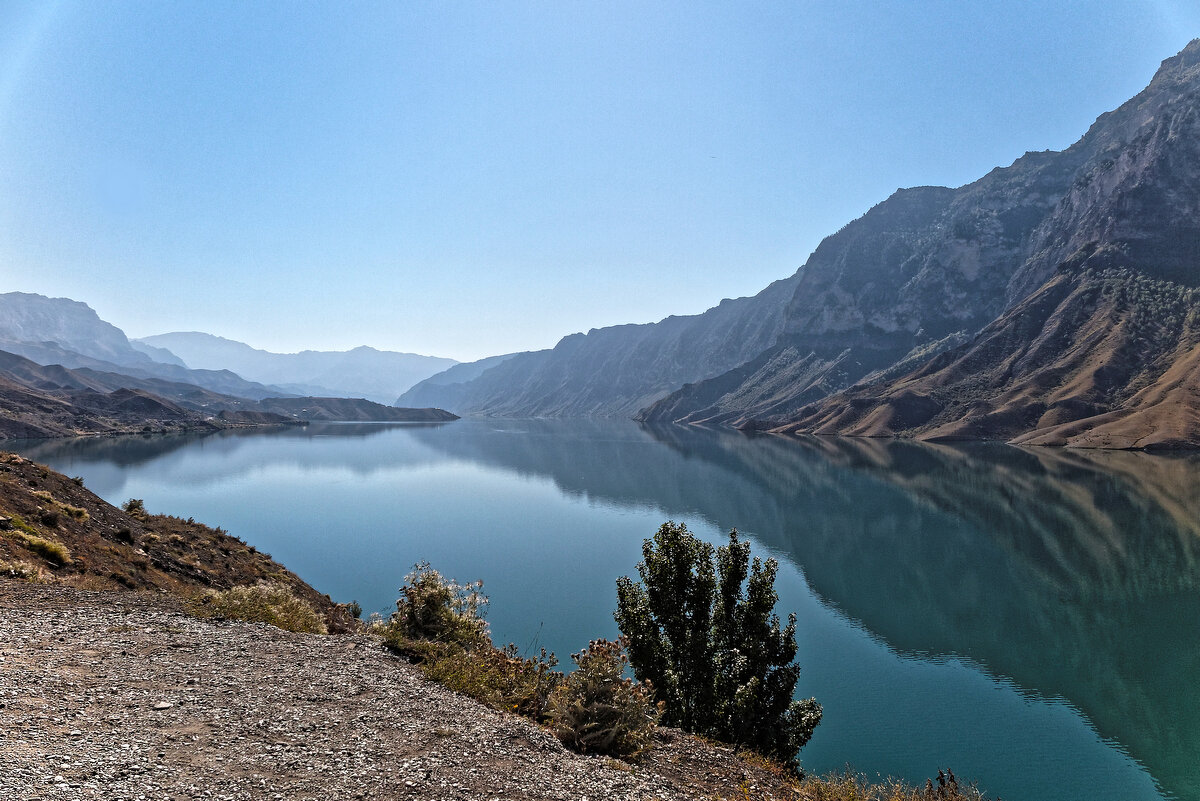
x: 53, y: 528
x: 270, y: 603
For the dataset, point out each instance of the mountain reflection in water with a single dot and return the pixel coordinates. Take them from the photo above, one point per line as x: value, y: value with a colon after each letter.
x: 1074, y: 574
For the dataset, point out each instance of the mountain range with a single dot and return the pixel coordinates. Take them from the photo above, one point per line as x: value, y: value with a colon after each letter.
x: 363, y: 372
x: 1052, y: 301
x: 64, y: 371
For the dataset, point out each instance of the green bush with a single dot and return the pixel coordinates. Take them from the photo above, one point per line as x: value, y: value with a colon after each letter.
x: 715, y: 653
x: 438, y: 623
x: 432, y: 607
x: 597, y: 710
x: 262, y: 603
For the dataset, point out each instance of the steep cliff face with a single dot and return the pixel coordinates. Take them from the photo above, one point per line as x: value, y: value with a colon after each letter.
x: 875, y: 306
x: 1138, y: 189
x: 916, y: 274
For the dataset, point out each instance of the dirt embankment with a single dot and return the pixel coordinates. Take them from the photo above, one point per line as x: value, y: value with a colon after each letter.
x: 72, y: 536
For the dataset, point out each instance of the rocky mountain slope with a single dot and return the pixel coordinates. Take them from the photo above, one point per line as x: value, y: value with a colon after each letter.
x: 363, y: 372
x: 37, y: 401
x: 880, y: 307
x: 1102, y: 352
x: 1097, y: 357
x: 922, y: 275
x: 618, y: 370
x: 25, y: 317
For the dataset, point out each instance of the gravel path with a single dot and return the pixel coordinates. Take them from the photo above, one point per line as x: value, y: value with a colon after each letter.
x: 120, y: 696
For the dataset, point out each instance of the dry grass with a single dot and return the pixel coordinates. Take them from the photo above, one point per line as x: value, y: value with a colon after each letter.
x: 597, y: 710
x: 498, y: 677
x: 22, y: 571
x: 265, y: 602
x: 53, y: 552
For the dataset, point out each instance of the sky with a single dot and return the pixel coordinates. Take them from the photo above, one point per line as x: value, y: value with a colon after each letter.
x: 463, y: 179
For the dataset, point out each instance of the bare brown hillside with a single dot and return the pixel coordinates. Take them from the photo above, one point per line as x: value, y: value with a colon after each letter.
x: 1100, y: 356
x: 69, y: 535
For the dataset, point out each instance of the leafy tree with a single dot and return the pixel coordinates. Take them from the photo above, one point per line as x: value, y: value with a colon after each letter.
x: 719, y: 660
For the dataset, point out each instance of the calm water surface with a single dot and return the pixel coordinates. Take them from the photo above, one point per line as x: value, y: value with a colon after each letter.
x: 1029, y: 618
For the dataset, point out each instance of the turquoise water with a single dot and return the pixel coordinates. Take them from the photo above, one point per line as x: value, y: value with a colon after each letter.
x: 1029, y: 618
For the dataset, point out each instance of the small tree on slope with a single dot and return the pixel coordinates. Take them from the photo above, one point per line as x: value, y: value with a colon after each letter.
x: 718, y: 658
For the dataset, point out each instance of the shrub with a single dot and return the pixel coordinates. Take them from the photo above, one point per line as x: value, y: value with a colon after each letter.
x: 438, y: 623
x: 262, y: 603
x: 850, y: 787
x: 498, y: 677
x: 134, y: 506
x: 715, y: 653
x: 432, y: 607
x: 597, y: 710
x: 49, y: 517
x: 77, y: 512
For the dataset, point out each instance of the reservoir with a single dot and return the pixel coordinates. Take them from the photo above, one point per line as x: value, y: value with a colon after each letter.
x: 1029, y: 618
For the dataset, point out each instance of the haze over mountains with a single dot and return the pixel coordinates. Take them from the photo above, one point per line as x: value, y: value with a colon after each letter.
x: 1052, y: 301
x: 64, y: 371
x: 363, y: 372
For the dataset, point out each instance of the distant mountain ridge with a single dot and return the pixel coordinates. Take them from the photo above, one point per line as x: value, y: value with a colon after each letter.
x: 363, y: 372
x: 69, y: 333
x: 75, y: 326
x: 615, y: 371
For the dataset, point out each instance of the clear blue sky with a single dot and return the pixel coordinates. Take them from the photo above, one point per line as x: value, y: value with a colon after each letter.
x: 463, y: 179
